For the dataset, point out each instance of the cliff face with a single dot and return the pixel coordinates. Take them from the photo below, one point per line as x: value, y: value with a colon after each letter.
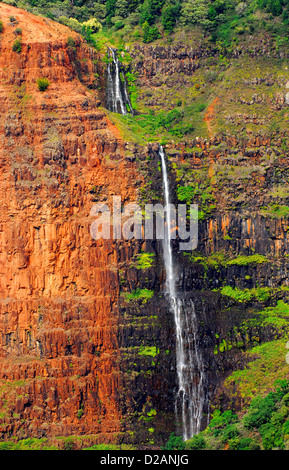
x: 59, y: 367
x: 235, y: 166
x: 87, y: 342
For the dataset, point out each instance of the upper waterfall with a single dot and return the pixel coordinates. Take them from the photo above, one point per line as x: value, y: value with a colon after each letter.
x: 117, y: 98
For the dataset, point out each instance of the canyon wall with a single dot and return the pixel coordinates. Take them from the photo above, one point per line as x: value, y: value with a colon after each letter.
x: 61, y: 358
x: 87, y: 339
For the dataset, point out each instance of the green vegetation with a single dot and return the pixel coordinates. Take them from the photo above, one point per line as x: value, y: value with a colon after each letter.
x: 174, y: 443
x: 148, y: 351
x: 265, y: 426
x: 199, y: 193
x: 144, y: 260
x: 247, y: 260
x: 276, y: 211
x: 261, y: 294
x: 139, y: 294
x: 27, y: 444
x: 221, y: 259
x: 150, y: 33
x: 266, y: 365
x: 17, y: 46
x: 43, y: 83
x: 109, y: 447
x: 277, y: 315
x: 225, y: 23
x: 1, y: 26
x: 154, y: 126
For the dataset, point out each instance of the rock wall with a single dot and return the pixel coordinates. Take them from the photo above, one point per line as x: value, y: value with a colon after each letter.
x: 59, y: 321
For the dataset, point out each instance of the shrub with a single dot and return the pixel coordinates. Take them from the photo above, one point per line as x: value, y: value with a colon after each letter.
x: 94, y: 25
x: 169, y: 16
x: 145, y: 260
x: 246, y: 260
x: 87, y: 34
x: 230, y: 432
x: 1, y: 26
x: 18, y: 31
x: 262, y: 294
x: 139, y: 294
x: 148, y: 351
x: 43, y: 83
x: 196, y: 443
x: 261, y: 410
x: 17, y: 46
x: 221, y: 420
x: 70, y: 42
x: 174, y: 443
x: 150, y: 33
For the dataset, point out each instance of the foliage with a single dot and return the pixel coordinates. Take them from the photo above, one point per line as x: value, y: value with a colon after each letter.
x: 276, y: 211
x: 109, y: 447
x: 277, y: 315
x: 174, y: 443
x: 247, y: 260
x: 43, y: 83
x: 170, y: 15
x: 93, y: 24
x: 1, y: 26
x: 87, y: 33
x: 17, y: 46
x: 150, y: 33
x: 221, y: 20
x: 139, y: 294
x: 195, y: 443
x: 148, y: 351
x: 145, y: 260
x: 152, y: 125
x: 261, y: 294
x: 264, y: 426
x: 220, y: 421
x: 26, y: 444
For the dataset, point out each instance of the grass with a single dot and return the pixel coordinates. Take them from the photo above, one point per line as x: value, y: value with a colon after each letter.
x: 277, y: 315
x: 109, y: 447
x: 139, y: 294
x: 266, y: 366
x: 221, y: 259
x: 261, y: 294
x: 151, y: 351
x: 248, y: 260
x: 276, y: 211
x: 27, y: 444
x: 144, y: 260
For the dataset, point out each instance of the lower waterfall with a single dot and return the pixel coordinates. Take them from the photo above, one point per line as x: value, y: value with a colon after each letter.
x: 191, y: 395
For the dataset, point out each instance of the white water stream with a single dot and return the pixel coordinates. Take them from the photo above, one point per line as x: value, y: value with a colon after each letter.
x: 190, y: 397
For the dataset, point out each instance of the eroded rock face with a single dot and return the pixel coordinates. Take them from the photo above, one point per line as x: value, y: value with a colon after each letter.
x: 59, y: 288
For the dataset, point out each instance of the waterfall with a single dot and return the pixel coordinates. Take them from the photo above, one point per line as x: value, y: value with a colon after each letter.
x: 117, y: 99
x: 191, y: 395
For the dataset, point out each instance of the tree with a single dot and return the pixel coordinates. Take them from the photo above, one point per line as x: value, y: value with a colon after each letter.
x: 194, y: 12
x: 93, y: 24
x: 170, y: 15
x: 150, y: 10
x: 110, y: 9
x: 150, y: 33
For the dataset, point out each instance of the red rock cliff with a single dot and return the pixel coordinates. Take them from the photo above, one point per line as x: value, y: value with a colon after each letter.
x: 59, y: 354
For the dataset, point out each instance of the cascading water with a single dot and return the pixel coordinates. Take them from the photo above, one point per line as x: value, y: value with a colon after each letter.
x: 191, y: 395
x: 117, y: 99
